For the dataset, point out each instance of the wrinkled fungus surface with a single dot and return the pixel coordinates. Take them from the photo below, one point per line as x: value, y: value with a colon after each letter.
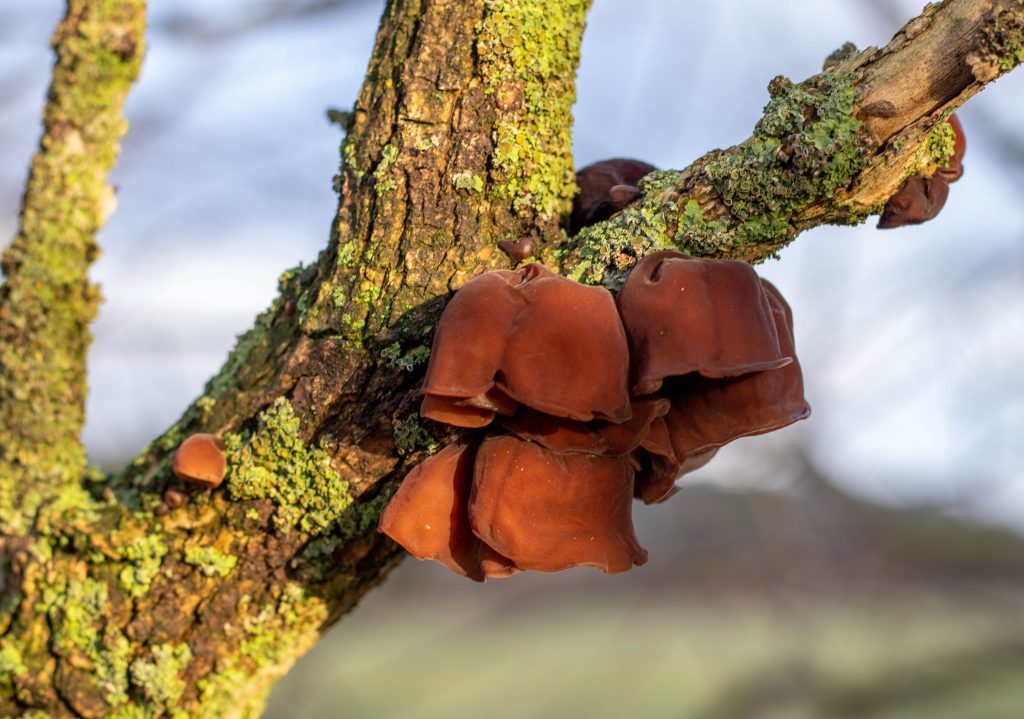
x: 576, y: 403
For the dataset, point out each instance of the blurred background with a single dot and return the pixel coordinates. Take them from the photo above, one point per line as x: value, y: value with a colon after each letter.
x: 865, y: 563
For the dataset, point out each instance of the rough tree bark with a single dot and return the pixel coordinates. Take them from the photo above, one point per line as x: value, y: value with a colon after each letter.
x: 112, y: 606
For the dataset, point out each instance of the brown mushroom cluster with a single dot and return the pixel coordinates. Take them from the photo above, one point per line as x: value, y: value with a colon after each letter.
x: 920, y: 198
x: 581, y: 401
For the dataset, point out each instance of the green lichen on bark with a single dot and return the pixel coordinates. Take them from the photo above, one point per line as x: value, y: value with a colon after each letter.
x: 603, y: 254
x: 47, y: 301
x: 1003, y: 40
x: 211, y: 561
x: 940, y: 144
x: 807, y: 145
x: 529, y: 52
x: 275, y: 637
x: 274, y: 462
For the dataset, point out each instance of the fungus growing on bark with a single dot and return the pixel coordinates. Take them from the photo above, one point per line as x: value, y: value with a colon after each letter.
x: 549, y: 510
x: 685, y: 315
x: 494, y: 342
x: 549, y: 362
x: 605, y: 188
x: 919, y: 198
x: 200, y: 459
x: 428, y: 516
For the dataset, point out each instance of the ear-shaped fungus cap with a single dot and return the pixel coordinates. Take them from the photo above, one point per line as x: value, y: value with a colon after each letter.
x: 427, y: 516
x: 685, y: 315
x: 918, y: 200
x: 502, y: 335
x: 595, y: 201
x: 608, y: 439
x: 548, y: 511
x: 468, y: 348
x: 708, y: 413
x: 200, y: 458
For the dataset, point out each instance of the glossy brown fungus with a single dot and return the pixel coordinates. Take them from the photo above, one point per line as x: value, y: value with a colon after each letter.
x: 200, y: 459
x: 500, y: 332
x: 549, y: 511
x: 428, y: 516
x: 707, y: 348
x: 920, y: 198
x: 684, y: 315
x: 605, y: 188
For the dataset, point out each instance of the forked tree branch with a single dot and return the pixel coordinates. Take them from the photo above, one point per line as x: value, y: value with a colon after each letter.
x: 113, y: 605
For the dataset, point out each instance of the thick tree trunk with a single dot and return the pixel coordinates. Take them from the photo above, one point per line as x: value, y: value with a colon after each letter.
x: 111, y: 605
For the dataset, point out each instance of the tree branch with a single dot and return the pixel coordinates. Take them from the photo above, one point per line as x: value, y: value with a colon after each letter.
x: 47, y: 301
x: 831, y: 150
x: 115, y: 603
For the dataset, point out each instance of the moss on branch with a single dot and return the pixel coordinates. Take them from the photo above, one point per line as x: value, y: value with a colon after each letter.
x: 47, y: 301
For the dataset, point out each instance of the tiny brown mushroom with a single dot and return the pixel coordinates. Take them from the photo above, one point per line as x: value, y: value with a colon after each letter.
x: 621, y: 195
x: 200, y: 459
x: 428, y: 516
x: 685, y: 315
x: 518, y: 249
x: 548, y: 511
x: 175, y: 498
x: 595, y: 201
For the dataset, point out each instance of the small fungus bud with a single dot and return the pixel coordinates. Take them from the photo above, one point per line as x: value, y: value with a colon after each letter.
x: 289, y: 307
x: 517, y: 250
x: 175, y: 498
x: 200, y: 459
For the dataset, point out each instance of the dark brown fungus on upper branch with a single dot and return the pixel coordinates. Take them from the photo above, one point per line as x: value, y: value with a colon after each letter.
x: 200, y: 459
x: 605, y: 188
x: 428, y: 516
x: 548, y: 511
x: 495, y: 341
x: 920, y: 198
x: 685, y: 315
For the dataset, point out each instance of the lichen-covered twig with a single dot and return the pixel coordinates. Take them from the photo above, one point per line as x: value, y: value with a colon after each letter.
x: 829, y: 150
x: 47, y: 301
